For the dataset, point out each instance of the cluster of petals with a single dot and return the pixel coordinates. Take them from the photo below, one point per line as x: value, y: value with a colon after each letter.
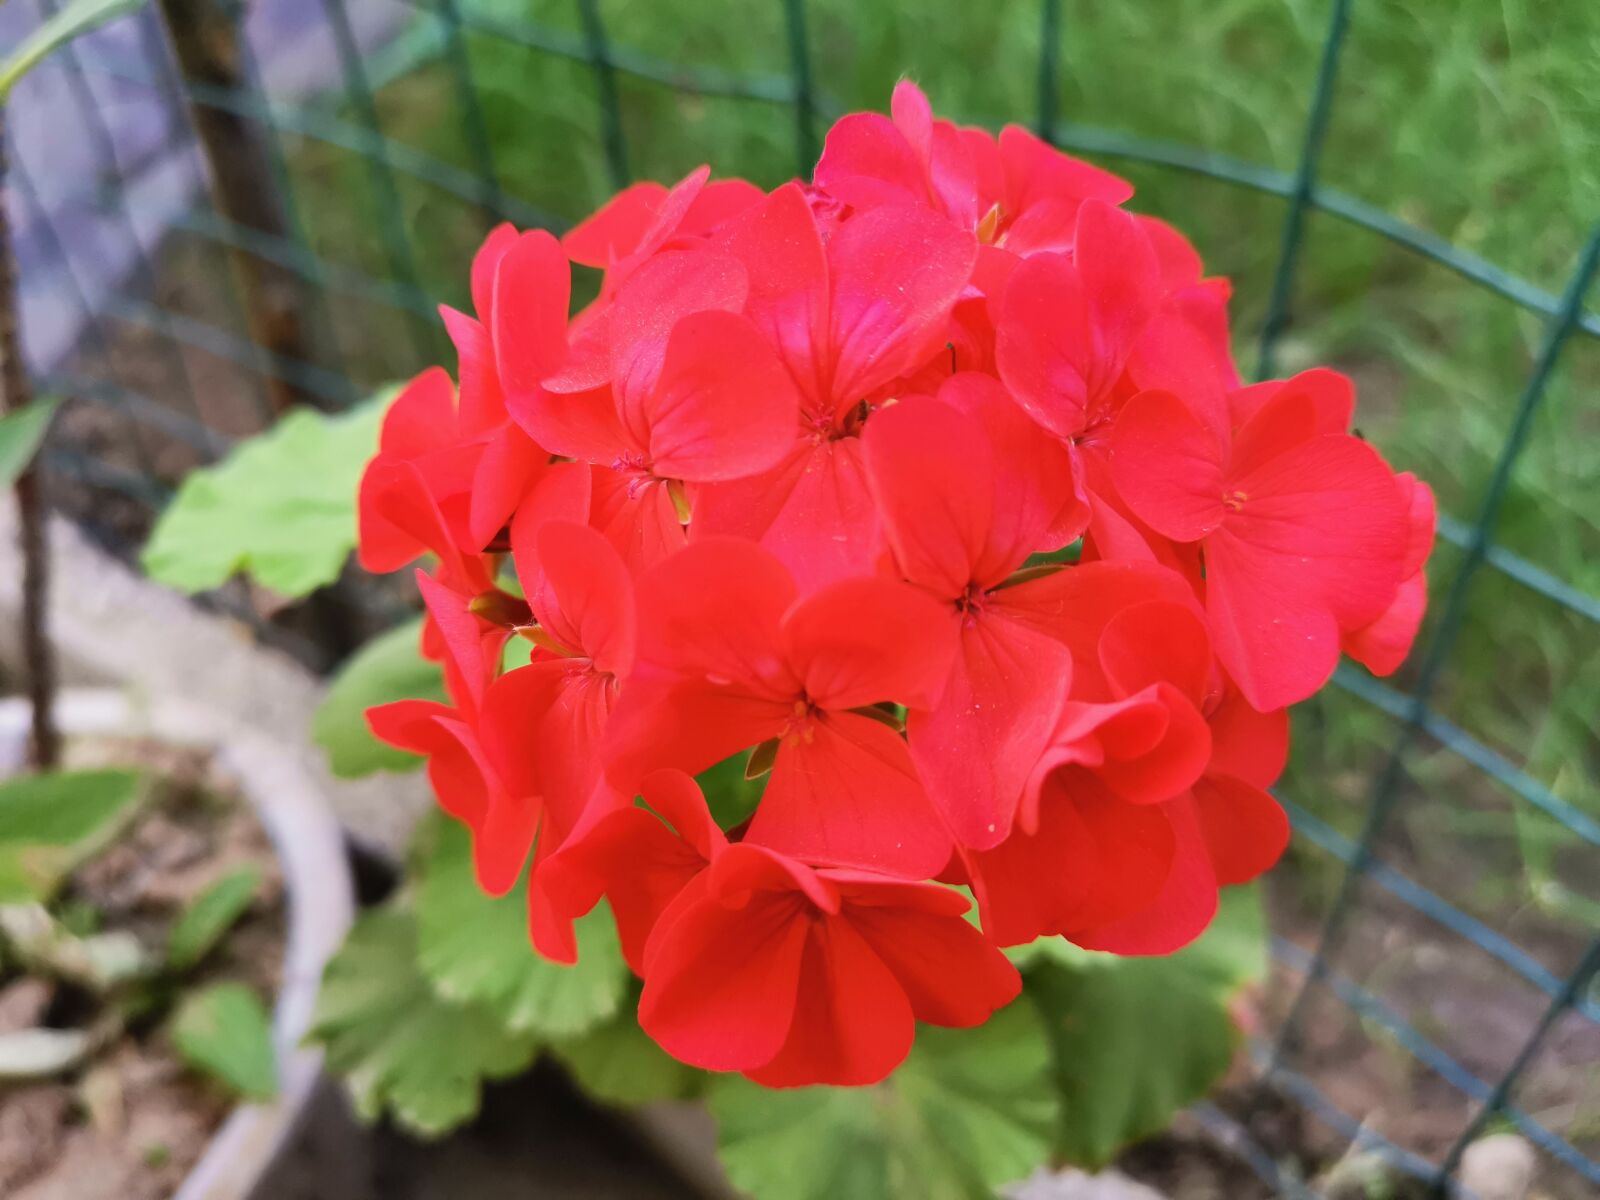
x: 929, y: 492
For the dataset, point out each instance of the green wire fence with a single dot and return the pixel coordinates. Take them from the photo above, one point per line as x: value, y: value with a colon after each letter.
x: 396, y: 301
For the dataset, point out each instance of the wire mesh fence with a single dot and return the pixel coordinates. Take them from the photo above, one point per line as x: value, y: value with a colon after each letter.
x: 137, y: 298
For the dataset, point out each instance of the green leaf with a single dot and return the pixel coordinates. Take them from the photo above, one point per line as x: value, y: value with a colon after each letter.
x: 21, y: 434
x: 389, y: 667
x: 49, y: 824
x: 970, y: 1110
x: 400, y: 1046
x: 475, y: 948
x: 619, y: 1064
x: 281, y: 507
x: 1137, y: 1039
x: 71, y: 22
x: 209, y: 917
x: 224, y: 1032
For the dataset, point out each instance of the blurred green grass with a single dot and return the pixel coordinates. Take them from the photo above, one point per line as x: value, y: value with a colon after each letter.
x: 1477, y: 120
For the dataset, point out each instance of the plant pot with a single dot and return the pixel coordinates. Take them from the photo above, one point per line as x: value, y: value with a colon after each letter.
x: 318, y: 895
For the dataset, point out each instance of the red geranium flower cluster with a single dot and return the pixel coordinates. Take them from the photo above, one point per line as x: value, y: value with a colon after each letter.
x: 804, y: 483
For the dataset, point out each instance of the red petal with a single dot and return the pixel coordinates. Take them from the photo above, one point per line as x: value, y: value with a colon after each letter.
x: 422, y: 416
x: 867, y: 162
x: 723, y: 407
x: 1075, y: 604
x: 778, y: 243
x: 578, y: 424
x: 722, y: 984
x: 869, y: 641
x: 1319, y: 542
x: 852, y: 1024
x: 1383, y: 645
x: 1157, y: 642
x: 712, y: 613
x: 1245, y: 829
x: 690, y: 725
x: 1092, y: 859
x: 1036, y: 170
x: 636, y: 861
x: 512, y: 463
x: 1182, y: 910
x: 976, y: 748
x: 1168, y: 467
x: 663, y: 291
x: 952, y: 975
x: 1121, y: 282
x: 473, y: 644
x: 616, y: 228
x: 640, y: 521
x: 1276, y: 643
x: 564, y: 493
x: 1037, y: 505
x: 933, y: 475
x: 894, y: 274
x: 585, y: 600
x: 532, y: 288
x: 1251, y: 745
x: 813, y: 511
x: 484, y: 264
x: 844, y: 792
x: 481, y: 404
x: 1042, y: 343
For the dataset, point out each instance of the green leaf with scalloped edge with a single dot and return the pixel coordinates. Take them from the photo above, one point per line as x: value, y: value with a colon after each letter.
x: 969, y: 1110
x: 51, y: 823
x: 400, y: 1046
x: 618, y: 1063
x: 389, y: 667
x: 1137, y: 1039
x: 475, y: 948
x: 223, y: 1031
x: 280, y: 507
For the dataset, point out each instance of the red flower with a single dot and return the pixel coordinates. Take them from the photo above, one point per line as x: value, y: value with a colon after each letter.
x: 1018, y: 192
x: 1302, y: 527
x: 797, y: 976
x: 640, y: 859
x: 848, y: 319
x: 779, y: 494
x: 731, y: 655
x: 646, y: 217
x: 669, y: 386
x: 967, y: 488
x: 1383, y: 643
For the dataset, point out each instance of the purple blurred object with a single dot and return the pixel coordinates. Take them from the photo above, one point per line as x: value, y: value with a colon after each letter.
x: 104, y: 158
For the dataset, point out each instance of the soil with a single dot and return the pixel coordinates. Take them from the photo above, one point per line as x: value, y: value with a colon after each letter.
x: 131, y: 1123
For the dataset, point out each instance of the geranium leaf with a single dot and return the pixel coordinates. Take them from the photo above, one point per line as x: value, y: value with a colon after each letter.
x: 618, y: 1063
x: 51, y: 823
x: 224, y: 1032
x: 389, y: 667
x: 21, y: 433
x: 475, y: 948
x: 400, y: 1046
x: 970, y: 1110
x: 280, y: 508
x: 208, y: 918
x: 1137, y: 1039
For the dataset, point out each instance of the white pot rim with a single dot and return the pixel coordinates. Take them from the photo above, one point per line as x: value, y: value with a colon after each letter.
x: 319, y: 894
